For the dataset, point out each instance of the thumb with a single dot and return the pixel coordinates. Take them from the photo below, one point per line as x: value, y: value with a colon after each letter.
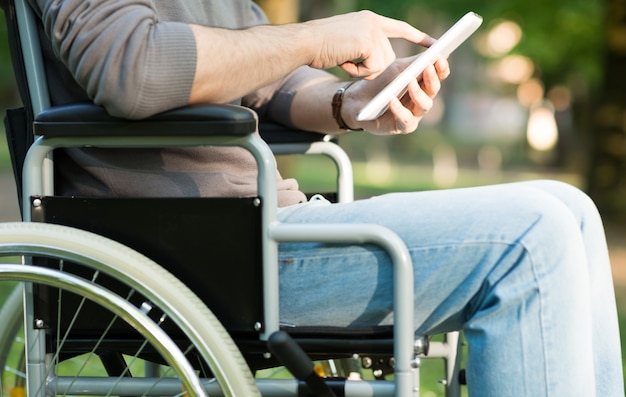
x: 367, y: 69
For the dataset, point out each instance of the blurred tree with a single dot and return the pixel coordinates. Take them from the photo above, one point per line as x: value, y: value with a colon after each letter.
x: 562, y: 37
x: 607, y: 173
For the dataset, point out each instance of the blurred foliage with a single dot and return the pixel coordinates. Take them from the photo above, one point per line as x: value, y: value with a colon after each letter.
x: 563, y: 37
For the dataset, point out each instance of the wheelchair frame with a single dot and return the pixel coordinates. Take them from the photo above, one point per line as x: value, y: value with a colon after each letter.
x: 38, y: 181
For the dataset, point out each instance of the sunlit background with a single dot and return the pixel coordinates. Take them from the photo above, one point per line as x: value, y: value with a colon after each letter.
x: 521, y: 102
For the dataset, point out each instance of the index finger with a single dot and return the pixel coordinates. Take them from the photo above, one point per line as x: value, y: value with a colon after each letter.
x: 396, y: 29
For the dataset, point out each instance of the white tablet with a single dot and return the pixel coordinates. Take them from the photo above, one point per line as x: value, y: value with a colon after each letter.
x: 441, y: 48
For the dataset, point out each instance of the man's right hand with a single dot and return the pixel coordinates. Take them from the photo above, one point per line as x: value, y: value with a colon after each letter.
x: 359, y: 42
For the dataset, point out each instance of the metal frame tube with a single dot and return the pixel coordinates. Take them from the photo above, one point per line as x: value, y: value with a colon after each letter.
x: 31, y: 48
x: 403, y: 294
x: 172, y: 386
x: 345, y: 177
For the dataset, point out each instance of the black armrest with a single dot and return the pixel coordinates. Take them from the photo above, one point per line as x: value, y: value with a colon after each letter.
x: 87, y: 119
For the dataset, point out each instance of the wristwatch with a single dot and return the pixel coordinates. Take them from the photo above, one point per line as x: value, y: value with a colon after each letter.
x: 337, y: 102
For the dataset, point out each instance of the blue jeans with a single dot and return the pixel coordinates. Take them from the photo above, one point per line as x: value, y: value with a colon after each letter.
x: 521, y: 268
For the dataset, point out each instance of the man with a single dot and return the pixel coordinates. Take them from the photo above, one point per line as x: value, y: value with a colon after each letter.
x: 522, y: 268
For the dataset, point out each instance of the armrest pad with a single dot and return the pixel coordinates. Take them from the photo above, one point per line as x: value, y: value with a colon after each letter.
x: 87, y: 119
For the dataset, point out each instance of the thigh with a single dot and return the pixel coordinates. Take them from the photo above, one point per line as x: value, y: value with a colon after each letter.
x: 458, y: 239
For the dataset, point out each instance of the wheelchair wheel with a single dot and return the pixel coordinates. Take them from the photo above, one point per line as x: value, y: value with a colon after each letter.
x: 172, y: 333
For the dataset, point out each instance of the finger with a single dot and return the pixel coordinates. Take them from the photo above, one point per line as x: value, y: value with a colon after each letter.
x: 405, y: 120
x: 443, y: 68
x: 372, y: 65
x: 430, y: 82
x: 351, y: 68
x: 402, y: 30
x: 422, y: 102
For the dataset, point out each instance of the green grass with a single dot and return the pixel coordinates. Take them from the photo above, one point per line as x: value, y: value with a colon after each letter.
x: 315, y: 174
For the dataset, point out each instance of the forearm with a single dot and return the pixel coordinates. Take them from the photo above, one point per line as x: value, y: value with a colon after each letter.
x: 233, y: 63
x: 311, y: 108
x: 257, y: 57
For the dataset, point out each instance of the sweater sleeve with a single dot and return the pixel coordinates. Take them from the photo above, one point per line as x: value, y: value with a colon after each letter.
x: 273, y: 102
x: 121, y: 54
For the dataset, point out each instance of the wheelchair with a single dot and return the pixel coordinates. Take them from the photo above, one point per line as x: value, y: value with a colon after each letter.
x: 176, y: 296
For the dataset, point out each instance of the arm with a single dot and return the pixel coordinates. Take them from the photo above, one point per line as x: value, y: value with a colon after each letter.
x: 135, y: 65
x: 265, y: 54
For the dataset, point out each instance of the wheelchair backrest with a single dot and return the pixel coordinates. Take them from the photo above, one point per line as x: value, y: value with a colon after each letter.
x: 18, y: 122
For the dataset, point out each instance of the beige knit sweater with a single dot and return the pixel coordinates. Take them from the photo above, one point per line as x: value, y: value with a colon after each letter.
x: 137, y: 58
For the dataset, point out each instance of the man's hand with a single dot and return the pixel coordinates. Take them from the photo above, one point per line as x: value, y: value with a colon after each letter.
x: 404, y: 114
x: 359, y: 42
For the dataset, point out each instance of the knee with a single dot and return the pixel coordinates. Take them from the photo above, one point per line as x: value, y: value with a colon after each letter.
x: 578, y: 202
x: 546, y: 210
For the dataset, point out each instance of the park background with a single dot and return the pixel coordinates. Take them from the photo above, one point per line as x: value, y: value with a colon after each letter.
x: 538, y: 92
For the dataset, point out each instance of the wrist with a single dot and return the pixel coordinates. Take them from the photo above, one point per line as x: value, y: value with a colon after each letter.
x: 338, y: 109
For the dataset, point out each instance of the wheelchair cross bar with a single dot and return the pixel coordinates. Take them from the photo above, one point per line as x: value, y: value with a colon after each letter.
x: 171, y: 386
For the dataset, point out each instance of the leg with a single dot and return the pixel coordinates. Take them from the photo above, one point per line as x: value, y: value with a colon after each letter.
x: 505, y: 263
x: 609, y: 378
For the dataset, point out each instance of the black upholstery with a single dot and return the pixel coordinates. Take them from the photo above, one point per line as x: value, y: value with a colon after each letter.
x: 87, y: 119
x: 212, y: 245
